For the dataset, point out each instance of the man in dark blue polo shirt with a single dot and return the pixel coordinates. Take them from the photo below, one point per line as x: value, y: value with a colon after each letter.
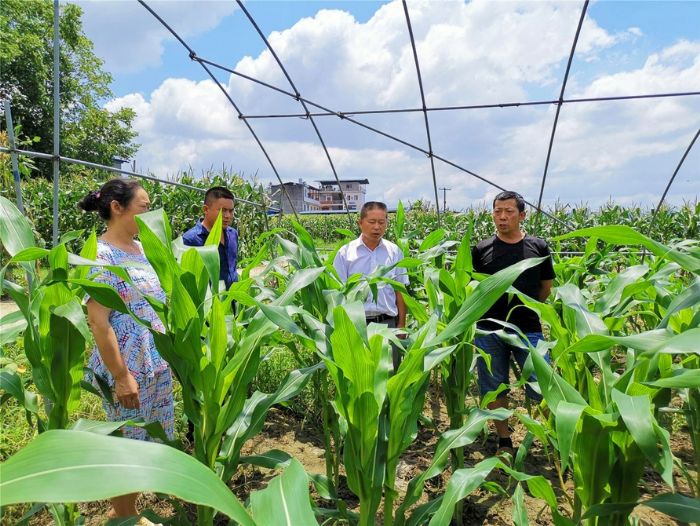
x: 218, y: 199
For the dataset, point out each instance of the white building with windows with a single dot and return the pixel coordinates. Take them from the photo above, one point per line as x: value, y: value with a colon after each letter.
x: 330, y: 197
x: 304, y: 197
x: 326, y: 197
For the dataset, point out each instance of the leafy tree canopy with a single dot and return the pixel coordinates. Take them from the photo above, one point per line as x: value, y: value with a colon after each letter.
x: 88, y: 131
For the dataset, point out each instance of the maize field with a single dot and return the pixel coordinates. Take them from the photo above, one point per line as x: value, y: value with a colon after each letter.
x: 616, y: 440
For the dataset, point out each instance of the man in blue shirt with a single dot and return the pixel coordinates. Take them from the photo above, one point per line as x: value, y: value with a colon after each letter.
x: 218, y: 199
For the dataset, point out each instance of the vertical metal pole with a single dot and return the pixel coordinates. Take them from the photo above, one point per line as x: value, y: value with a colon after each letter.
x: 56, y: 116
x: 13, y: 156
x: 444, y: 198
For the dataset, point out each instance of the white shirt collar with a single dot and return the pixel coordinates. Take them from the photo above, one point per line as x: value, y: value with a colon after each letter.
x: 361, y: 242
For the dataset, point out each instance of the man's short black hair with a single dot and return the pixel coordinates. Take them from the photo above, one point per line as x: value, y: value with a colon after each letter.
x: 371, y: 205
x: 217, y: 192
x: 503, y: 196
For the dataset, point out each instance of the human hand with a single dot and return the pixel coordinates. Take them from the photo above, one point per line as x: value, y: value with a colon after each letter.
x: 127, y: 391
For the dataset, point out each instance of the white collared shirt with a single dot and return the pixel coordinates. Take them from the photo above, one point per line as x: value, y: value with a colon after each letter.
x: 358, y: 258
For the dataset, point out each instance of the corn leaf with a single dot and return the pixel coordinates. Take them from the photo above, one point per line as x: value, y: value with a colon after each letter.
x: 15, y: 229
x: 568, y: 415
x: 11, y: 326
x: 272, y: 459
x: 637, y: 414
x: 688, y: 297
x: 449, y: 440
x: 485, y: 295
x: 252, y: 418
x: 285, y: 501
x: 461, y: 484
x: 554, y: 388
x: 625, y: 235
x: 650, y: 341
x: 675, y: 505
x: 75, y: 466
x: 584, y: 321
x: 682, y: 378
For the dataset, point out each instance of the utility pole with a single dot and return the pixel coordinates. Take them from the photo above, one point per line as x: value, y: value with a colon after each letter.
x: 444, y: 198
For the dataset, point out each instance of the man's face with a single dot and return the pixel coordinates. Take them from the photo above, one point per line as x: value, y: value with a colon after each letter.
x: 507, y: 217
x: 211, y: 211
x: 373, y: 225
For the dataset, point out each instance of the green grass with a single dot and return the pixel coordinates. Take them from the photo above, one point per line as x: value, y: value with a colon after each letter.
x: 275, y: 366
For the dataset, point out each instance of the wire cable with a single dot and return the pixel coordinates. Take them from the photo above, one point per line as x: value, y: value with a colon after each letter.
x: 556, y: 115
x: 425, y: 112
x: 370, y: 128
x: 670, y: 182
x: 193, y: 56
x: 477, y: 106
x: 88, y: 164
x: 303, y: 104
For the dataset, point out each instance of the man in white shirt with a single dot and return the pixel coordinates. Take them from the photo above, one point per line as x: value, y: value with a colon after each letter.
x: 363, y: 255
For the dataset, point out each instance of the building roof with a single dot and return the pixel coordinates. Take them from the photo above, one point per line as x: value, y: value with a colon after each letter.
x: 294, y: 184
x: 333, y: 181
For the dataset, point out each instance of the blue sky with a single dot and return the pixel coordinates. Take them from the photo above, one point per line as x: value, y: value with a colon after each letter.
x: 234, y: 32
x: 355, y: 55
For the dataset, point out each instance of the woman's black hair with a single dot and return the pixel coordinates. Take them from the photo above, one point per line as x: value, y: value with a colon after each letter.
x: 120, y: 190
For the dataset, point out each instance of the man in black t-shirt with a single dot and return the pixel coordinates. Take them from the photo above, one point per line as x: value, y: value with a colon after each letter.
x: 507, y: 247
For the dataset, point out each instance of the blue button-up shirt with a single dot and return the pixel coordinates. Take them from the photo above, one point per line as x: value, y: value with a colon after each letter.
x: 228, y: 251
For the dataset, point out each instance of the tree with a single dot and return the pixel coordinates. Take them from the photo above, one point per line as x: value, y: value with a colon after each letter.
x: 88, y: 131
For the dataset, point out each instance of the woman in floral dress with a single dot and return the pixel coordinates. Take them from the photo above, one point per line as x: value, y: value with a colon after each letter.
x: 126, y: 356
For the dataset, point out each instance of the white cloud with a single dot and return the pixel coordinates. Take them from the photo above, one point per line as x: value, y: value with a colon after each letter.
x: 480, y: 52
x: 129, y: 39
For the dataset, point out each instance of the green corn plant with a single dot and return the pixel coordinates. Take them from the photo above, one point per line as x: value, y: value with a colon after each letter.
x: 361, y: 400
x: 214, y: 356
x: 360, y: 371
x: 456, y: 299
x: 673, y: 302
x: 61, y: 466
x: 54, y: 326
x: 449, y: 441
x: 617, y: 302
x: 440, y: 511
x: 651, y: 370
x: 648, y: 370
x: 378, y: 411
x: 606, y: 441
x: 316, y: 301
x: 297, y: 256
x: 446, y: 292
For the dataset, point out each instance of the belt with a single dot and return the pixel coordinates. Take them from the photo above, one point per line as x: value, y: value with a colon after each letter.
x: 379, y: 318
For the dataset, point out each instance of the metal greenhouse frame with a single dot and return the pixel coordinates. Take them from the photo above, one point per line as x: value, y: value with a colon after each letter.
x: 320, y: 111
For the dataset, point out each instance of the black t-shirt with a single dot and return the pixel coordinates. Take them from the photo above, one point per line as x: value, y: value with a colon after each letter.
x: 492, y: 255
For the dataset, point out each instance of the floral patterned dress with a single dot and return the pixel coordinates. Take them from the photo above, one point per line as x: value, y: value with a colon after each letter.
x: 136, y: 343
